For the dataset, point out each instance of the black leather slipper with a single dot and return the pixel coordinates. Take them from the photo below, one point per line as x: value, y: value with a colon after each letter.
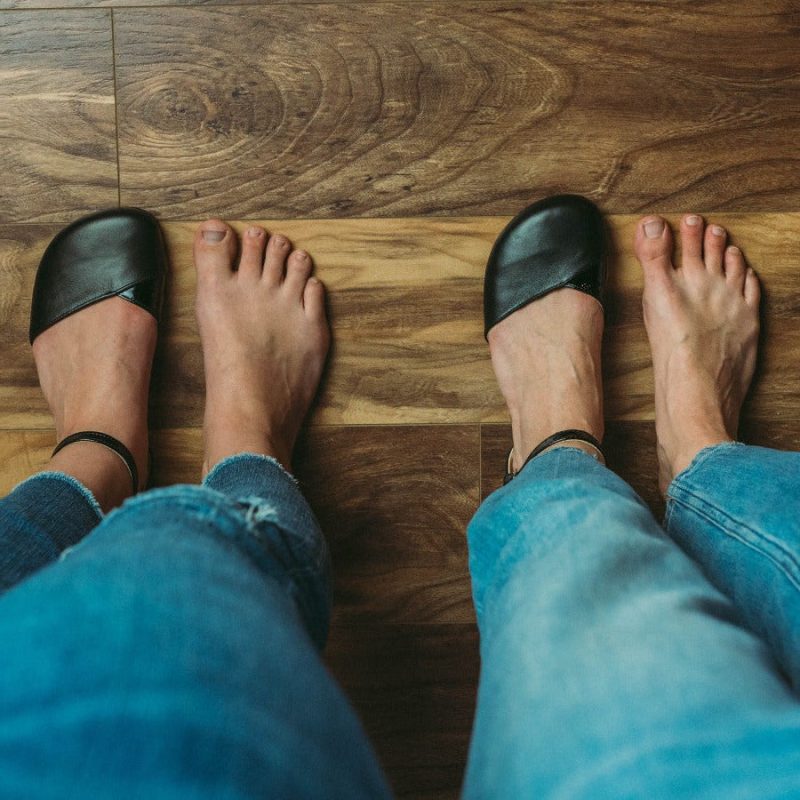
x: 555, y: 243
x: 116, y: 252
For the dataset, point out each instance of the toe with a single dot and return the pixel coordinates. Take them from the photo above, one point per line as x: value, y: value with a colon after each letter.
x: 653, y: 247
x: 314, y: 299
x: 214, y: 249
x: 735, y: 268
x: 275, y: 265
x: 752, y: 288
x: 692, y: 242
x: 714, y: 247
x: 298, y: 268
x: 252, y: 260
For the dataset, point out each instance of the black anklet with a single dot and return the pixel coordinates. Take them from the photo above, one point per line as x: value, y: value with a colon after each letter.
x: 570, y: 435
x: 115, y: 445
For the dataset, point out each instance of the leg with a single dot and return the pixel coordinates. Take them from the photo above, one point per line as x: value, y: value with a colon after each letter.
x: 187, y: 626
x: 43, y: 516
x: 735, y: 510
x: 173, y: 653
x: 610, y: 666
x: 94, y: 369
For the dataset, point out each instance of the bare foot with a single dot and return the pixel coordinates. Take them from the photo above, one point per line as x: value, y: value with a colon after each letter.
x: 265, y: 337
x: 546, y: 357
x: 702, y: 321
x: 94, y: 367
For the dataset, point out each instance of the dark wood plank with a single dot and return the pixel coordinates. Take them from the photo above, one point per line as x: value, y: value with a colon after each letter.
x: 393, y: 109
x: 414, y: 688
x: 630, y: 448
x: 57, y: 121
x: 394, y: 503
x: 405, y: 304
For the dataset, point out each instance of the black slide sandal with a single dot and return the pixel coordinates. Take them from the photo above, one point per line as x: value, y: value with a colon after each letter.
x: 556, y: 243
x: 116, y: 252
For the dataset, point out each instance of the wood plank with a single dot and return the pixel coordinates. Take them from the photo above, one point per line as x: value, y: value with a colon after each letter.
x: 405, y: 301
x: 394, y: 503
x: 630, y: 448
x: 416, y: 109
x: 414, y: 688
x: 57, y: 122
x: 72, y: 4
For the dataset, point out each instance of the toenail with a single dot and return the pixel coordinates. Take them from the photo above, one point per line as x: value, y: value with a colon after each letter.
x: 734, y: 250
x: 693, y: 220
x: 302, y: 255
x: 213, y: 236
x: 654, y: 228
x: 254, y: 232
x: 279, y: 241
x: 717, y: 231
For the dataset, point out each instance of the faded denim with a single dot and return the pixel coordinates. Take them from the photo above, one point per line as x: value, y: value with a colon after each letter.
x: 611, y: 666
x: 171, y: 649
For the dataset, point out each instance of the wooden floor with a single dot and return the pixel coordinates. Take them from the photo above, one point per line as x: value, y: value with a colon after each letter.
x: 393, y: 141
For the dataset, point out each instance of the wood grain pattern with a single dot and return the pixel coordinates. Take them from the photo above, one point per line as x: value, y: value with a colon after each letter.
x: 394, y: 503
x: 414, y: 688
x: 395, y: 109
x: 57, y: 120
x: 630, y: 448
x: 405, y: 303
x: 410, y: 119
x: 76, y: 4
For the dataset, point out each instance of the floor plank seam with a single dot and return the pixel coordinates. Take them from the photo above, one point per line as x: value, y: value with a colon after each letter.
x: 116, y: 107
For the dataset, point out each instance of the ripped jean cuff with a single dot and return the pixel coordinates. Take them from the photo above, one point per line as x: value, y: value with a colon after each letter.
x: 248, y: 504
x: 281, y: 524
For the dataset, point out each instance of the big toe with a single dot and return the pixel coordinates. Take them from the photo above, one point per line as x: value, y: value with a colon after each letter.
x: 214, y: 248
x: 653, y: 247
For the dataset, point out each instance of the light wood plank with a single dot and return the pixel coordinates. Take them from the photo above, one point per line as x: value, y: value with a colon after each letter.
x: 57, y: 120
x: 411, y: 109
x: 405, y: 303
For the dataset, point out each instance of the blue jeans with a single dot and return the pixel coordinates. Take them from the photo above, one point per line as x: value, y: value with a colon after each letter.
x: 615, y: 664
x: 173, y: 652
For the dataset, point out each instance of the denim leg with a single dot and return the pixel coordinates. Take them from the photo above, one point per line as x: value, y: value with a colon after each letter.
x: 39, y: 519
x: 736, y: 511
x: 610, y: 667
x: 174, y: 654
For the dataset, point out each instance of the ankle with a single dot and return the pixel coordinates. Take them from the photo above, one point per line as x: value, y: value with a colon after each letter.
x: 527, y: 436
x: 99, y: 469
x: 679, y: 456
x: 226, y: 444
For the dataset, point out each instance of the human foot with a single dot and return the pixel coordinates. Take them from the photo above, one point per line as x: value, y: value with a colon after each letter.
x: 94, y: 368
x: 265, y: 337
x: 546, y: 357
x: 702, y: 322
